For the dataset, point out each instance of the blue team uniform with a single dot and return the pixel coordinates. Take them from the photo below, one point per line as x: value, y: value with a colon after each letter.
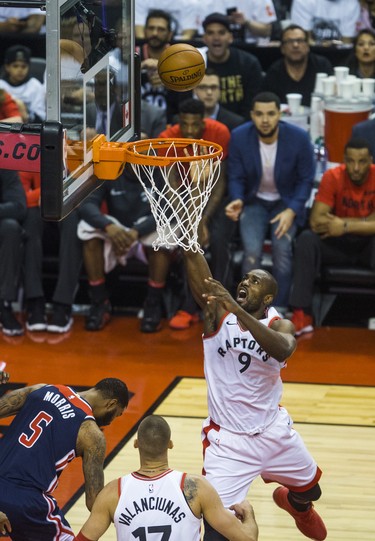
x: 38, y: 445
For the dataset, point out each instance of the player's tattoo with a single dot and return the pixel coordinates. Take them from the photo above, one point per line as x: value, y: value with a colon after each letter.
x: 190, y: 489
x: 12, y: 402
x: 93, y: 453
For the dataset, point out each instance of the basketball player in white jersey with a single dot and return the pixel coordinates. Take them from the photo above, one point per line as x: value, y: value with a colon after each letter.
x: 247, y: 433
x: 164, y: 502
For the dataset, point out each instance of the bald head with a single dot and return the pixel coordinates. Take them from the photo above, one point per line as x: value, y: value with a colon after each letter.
x: 271, y: 284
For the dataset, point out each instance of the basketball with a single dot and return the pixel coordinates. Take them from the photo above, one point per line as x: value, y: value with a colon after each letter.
x: 181, y: 67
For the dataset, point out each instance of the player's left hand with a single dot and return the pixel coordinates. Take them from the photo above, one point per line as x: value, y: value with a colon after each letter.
x: 217, y: 292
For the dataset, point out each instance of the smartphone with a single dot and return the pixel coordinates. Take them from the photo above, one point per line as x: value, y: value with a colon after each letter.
x: 230, y: 11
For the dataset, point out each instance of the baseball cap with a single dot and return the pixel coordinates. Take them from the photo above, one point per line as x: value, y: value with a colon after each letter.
x: 17, y: 53
x: 218, y: 18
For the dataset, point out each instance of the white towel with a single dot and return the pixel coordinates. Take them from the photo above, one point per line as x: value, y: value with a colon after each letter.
x: 111, y: 260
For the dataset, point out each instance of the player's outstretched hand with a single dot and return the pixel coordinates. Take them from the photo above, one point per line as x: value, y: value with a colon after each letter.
x: 215, y: 291
x: 5, y: 526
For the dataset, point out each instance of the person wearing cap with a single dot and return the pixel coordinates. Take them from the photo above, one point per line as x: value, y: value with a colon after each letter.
x: 240, y: 72
x: 18, y: 83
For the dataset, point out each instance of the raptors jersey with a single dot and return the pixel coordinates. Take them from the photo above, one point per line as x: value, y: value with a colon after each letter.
x: 42, y: 438
x: 243, y: 381
x: 154, y: 505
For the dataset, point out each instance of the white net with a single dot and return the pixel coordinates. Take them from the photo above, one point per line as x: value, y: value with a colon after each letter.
x: 178, y: 191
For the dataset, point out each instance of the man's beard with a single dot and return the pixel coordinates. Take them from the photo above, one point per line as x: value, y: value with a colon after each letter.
x: 105, y: 419
x: 267, y: 135
x: 156, y: 43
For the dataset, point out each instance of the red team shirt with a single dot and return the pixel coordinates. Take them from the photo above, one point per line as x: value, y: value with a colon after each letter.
x: 214, y: 131
x: 345, y: 198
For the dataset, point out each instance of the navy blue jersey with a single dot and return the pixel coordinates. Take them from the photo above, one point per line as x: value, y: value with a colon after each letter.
x: 41, y: 440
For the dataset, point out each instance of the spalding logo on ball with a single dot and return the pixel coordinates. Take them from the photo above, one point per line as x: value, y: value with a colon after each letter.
x: 181, y: 67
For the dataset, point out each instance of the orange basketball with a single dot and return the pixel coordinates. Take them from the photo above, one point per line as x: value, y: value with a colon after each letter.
x: 181, y: 67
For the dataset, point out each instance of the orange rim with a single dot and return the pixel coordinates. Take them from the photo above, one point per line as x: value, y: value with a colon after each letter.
x: 135, y: 151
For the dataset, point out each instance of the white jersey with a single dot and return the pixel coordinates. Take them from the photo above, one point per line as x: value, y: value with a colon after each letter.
x: 154, y: 505
x: 326, y: 19
x: 243, y: 381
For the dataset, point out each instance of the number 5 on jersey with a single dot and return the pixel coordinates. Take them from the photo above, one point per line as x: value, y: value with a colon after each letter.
x: 36, y: 426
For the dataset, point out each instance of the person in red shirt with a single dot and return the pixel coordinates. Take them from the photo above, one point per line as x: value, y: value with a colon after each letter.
x: 216, y: 226
x: 342, y: 222
x: 9, y: 111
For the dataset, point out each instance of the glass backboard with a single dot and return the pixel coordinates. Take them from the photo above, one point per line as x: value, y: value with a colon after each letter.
x: 92, y: 75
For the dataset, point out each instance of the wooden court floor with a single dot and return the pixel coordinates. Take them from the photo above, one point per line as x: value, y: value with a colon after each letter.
x: 329, y: 392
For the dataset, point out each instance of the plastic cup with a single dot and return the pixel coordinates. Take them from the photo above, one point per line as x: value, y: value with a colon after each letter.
x: 294, y: 103
x: 368, y: 87
x: 328, y: 86
x: 347, y: 90
x: 341, y: 73
x: 316, y: 104
x: 318, y: 82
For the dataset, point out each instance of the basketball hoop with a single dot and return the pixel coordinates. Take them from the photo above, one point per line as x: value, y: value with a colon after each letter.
x: 178, y: 176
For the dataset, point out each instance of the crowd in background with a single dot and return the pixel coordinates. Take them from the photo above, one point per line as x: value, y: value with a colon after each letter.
x: 268, y: 170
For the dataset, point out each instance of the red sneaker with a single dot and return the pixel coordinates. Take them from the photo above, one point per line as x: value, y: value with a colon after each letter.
x: 302, y: 322
x: 182, y: 320
x: 308, y: 522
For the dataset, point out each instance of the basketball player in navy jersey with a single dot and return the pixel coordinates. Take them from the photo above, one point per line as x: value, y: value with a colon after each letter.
x: 247, y: 433
x: 53, y: 425
x: 164, y: 502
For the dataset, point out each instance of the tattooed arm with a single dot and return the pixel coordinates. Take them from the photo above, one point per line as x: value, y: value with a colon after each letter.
x: 102, y: 513
x: 91, y: 447
x: 12, y: 402
x: 204, y: 500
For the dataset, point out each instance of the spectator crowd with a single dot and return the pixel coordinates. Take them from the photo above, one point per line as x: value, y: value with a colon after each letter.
x: 268, y: 178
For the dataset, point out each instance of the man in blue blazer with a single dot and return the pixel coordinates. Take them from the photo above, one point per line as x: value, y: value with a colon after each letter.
x: 270, y: 177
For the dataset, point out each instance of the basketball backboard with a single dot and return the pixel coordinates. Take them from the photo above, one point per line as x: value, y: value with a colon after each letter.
x: 92, y: 79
